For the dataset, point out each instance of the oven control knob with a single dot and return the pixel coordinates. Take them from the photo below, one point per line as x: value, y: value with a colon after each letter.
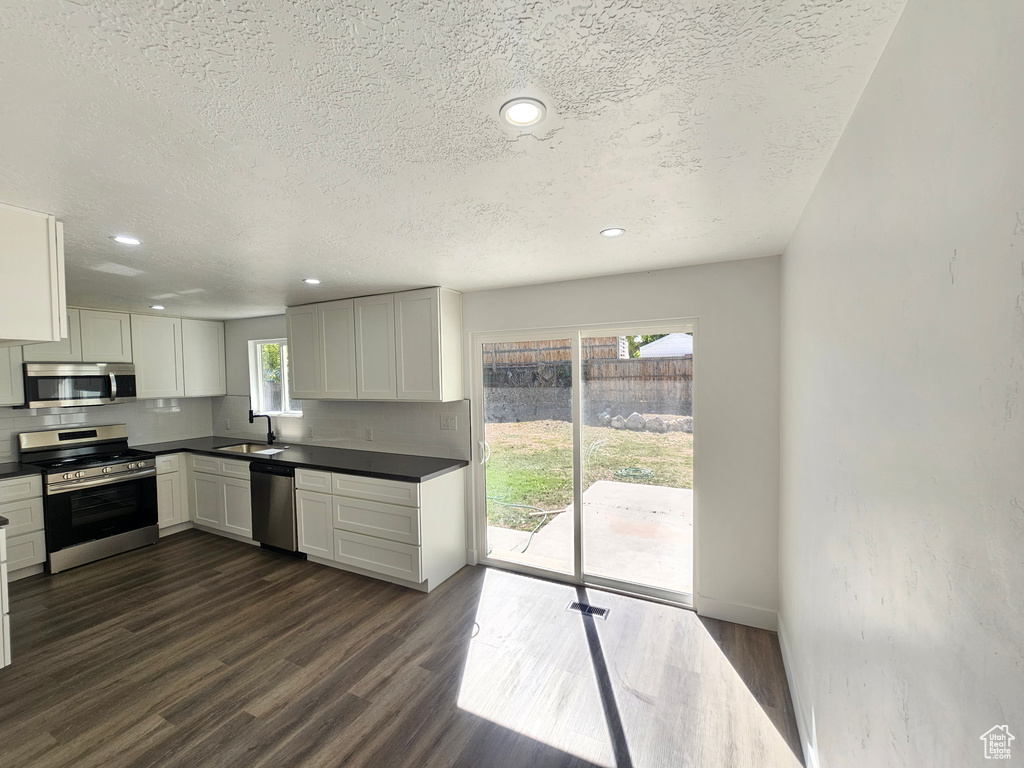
x: 131, y: 466
x: 107, y: 470
x: 67, y: 475
x: 79, y: 474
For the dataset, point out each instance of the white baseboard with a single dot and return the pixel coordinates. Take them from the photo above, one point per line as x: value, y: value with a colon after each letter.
x: 471, y: 557
x: 170, y: 530
x: 737, y: 613
x: 802, y: 721
x: 225, y: 534
x: 24, y: 573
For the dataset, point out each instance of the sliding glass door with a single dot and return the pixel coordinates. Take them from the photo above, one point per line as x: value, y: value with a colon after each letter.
x: 586, y: 457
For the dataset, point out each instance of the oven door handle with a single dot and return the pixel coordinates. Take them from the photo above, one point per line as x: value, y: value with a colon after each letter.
x: 113, y: 388
x: 94, y: 482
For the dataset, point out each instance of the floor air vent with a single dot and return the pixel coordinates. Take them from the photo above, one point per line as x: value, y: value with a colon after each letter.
x: 588, y: 610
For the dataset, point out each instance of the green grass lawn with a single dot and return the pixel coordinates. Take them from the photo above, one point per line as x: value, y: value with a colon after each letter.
x: 531, y: 464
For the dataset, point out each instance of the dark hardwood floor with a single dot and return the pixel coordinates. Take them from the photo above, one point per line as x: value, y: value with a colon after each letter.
x: 201, y: 651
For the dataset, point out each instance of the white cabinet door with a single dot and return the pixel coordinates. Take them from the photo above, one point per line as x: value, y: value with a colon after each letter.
x: 418, y: 344
x: 12, y: 384
x: 237, y: 506
x: 209, y: 500
x: 170, y: 509
x: 67, y: 350
x: 316, y: 530
x: 156, y: 343
x: 32, y: 299
x: 375, y: 347
x: 202, y: 344
x: 337, y: 332
x: 106, y: 336
x: 303, y: 351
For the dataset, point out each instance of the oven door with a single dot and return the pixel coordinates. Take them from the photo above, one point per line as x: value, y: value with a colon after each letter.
x: 49, y: 385
x: 80, y: 514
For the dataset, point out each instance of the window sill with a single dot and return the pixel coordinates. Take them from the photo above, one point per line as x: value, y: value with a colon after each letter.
x: 284, y: 414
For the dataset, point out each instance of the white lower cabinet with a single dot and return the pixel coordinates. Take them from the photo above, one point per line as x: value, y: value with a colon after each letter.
x: 21, y: 502
x: 219, y: 495
x: 171, y: 508
x: 315, y: 512
x: 416, y: 537
x: 5, y: 621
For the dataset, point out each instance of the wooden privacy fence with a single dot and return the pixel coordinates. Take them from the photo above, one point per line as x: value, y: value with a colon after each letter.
x: 525, y: 381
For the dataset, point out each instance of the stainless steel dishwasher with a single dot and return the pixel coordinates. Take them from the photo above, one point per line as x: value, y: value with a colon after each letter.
x: 272, y: 490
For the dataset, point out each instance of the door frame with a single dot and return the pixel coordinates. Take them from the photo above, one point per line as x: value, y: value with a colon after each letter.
x: 478, y: 517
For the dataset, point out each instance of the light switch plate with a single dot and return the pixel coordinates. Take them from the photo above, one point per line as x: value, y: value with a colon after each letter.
x: 449, y: 423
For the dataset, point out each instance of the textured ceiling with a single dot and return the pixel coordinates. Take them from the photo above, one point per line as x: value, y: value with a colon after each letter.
x: 252, y: 144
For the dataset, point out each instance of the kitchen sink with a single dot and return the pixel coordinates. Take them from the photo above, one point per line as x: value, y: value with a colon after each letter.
x: 257, y: 448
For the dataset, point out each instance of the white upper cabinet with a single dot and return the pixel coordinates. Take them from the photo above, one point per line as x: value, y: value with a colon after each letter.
x: 405, y: 346
x: 303, y: 352
x: 337, y: 332
x: 157, y: 348
x: 376, y: 377
x: 12, y: 385
x: 67, y: 350
x: 428, y: 339
x: 106, y: 336
x: 32, y: 300
x: 203, y: 352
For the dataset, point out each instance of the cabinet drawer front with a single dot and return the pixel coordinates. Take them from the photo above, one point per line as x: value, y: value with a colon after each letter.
x: 204, y: 464
x: 378, y: 555
x: 21, y: 488
x: 5, y: 641
x: 169, y: 463
x: 3, y: 545
x: 5, y: 606
x: 231, y: 468
x: 313, y: 480
x: 25, y: 516
x: 375, y: 489
x: 28, y: 549
x: 373, y: 518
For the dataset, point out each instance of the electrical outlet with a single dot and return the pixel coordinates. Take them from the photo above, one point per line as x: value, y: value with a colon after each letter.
x: 227, y: 424
x: 309, y: 431
x: 369, y: 433
x: 449, y: 423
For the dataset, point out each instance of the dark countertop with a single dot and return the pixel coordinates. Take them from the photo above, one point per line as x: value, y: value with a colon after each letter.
x: 7, y: 471
x: 389, y: 466
x: 4, y: 521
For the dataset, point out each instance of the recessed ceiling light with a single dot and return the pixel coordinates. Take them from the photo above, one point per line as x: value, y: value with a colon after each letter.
x: 311, y: 281
x: 613, y: 232
x: 521, y: 113
x: 126, y: 240
x: 156, y: 306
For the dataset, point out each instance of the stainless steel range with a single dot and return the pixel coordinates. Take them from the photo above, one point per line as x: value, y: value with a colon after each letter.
x: 99, y: 495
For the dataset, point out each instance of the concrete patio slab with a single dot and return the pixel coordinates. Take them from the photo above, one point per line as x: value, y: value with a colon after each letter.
x: 631, y: 532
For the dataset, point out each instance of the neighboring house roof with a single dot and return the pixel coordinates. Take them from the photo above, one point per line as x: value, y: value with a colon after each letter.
x: 672, y: 345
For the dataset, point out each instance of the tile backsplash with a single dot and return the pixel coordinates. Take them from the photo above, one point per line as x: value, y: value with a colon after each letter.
x: 148, y: 421
x: 398, y: 427
x: 413, y: 428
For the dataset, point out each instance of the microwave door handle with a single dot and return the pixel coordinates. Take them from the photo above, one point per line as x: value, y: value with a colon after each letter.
x: 113, y: 388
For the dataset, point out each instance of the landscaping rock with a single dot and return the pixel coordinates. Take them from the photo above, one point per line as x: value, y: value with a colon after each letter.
x: 604, y: 419
x: 687, y: 422
x: 675, y: 425
x: 618, y: 423
x: 636, y: 422
x: 657, y: 424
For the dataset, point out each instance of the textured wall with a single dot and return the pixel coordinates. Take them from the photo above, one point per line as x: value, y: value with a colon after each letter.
x: 902, y: 513
x: 250, y: 144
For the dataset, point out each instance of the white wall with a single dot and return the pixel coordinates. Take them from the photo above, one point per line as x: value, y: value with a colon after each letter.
x: 148, y: 421
x: 398, y: 427
x: 736, y: 411
x: 902, y: 512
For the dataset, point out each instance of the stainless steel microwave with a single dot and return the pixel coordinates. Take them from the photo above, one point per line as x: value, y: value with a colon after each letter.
x: 55, y: 385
